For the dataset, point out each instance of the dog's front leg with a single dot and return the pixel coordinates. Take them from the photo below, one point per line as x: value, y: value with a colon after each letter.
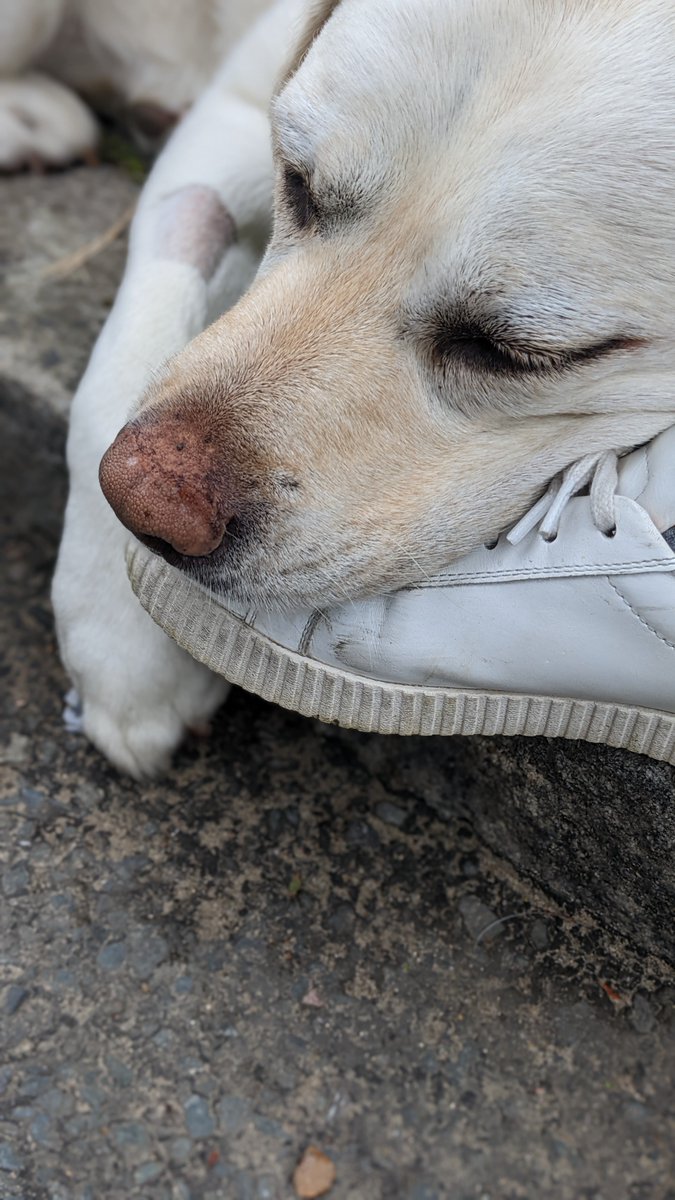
x: 138, y: 691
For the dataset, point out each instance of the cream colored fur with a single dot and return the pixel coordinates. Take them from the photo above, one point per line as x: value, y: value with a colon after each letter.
x: 494, y: 177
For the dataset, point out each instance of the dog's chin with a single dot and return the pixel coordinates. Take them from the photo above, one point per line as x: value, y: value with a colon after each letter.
x: 255, y: 587
x: 217, y: 574
x: 242, y: 572
x: 212, y: 571
x: 220, y: 572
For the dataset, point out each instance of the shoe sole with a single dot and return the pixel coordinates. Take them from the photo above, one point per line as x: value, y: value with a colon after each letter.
x: 251, y: 660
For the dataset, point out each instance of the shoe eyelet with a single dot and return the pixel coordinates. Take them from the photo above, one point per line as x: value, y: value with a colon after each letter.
x: 491, y: 545
x: 548, y: 537
x: 609, y: 533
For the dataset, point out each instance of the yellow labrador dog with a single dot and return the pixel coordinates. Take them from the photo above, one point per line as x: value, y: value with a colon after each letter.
x: 469, y: 283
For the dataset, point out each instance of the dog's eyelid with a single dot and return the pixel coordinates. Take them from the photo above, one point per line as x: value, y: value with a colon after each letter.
x: 491, y: 345
x: 534, y: 357
x: 298, y: 193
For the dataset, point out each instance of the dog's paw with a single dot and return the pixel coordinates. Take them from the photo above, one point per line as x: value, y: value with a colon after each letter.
x: 42, y: 124
x: 136, y: 693
x: 140, y: 727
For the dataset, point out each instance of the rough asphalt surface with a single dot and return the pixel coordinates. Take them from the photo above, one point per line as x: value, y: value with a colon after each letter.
x: 281, y: 944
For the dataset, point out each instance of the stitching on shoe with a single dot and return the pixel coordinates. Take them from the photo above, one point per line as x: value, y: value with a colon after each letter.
x: 640, y: 618
x: 530, y: 572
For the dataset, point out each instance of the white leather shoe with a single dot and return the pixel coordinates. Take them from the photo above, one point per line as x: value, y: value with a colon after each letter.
x: 566, y: 628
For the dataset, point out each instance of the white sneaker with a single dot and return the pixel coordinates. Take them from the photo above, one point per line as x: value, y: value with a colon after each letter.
x: 566, y: 628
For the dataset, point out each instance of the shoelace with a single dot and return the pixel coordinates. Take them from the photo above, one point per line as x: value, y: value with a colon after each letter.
x: 601, y: 471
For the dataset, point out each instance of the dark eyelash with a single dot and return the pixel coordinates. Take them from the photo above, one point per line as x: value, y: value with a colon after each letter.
x: 299, y: 197
x: 472, y: 345
x: 477, y: 349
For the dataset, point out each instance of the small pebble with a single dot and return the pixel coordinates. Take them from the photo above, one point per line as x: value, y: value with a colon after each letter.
x: 127, y: 869
x: 148, y: 956
x: 23, y: 1112
x: 148, y: 1172
x: 119, y: 1071
x: 9, y: 1159
x: 391, y: 814
x: 469, y: 868
x: 198, y: 1119
x: 56, y: 1102
x: 539, y: 934
x: 312, y: 998
x: 81, y: 1125
x: 314, y: 1174
x: 25, y: 833
x: 15, y: 751
x: 16, y: 881
x: 94, y: 1096
x: 130, y: 1133
x: 36, y: 802
x: 270, y: 1128
x: 183, y: 985
x: 180, y: 1150
x: 635, y: 1112
x: 112, y: 956
x: 41, y: 1130
x: 359, y: 833
x: 477, y: 917
x: 14, y: 998
x: 33, y: 1085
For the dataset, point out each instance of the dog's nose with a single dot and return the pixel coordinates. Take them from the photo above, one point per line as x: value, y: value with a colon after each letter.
x: 165, y: 484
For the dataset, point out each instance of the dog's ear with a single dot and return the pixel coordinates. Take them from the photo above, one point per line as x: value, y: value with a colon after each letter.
x: 318, y: 12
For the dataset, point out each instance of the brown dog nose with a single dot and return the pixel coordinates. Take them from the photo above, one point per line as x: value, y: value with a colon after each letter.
x: 164, y: 482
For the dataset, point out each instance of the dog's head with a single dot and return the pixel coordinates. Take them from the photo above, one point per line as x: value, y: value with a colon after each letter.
x: 470, y: 283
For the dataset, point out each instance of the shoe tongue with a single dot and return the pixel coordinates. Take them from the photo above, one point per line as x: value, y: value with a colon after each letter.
x: 648, y: 476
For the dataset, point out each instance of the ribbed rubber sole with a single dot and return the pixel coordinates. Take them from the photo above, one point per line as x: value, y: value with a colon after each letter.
x: 243, y: 656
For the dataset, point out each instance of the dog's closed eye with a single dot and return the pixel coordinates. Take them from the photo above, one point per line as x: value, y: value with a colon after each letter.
x: 473, y: 346
x: 299, y: 198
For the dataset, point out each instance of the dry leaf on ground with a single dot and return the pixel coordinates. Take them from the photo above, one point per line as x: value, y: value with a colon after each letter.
x: 314, y: 1174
